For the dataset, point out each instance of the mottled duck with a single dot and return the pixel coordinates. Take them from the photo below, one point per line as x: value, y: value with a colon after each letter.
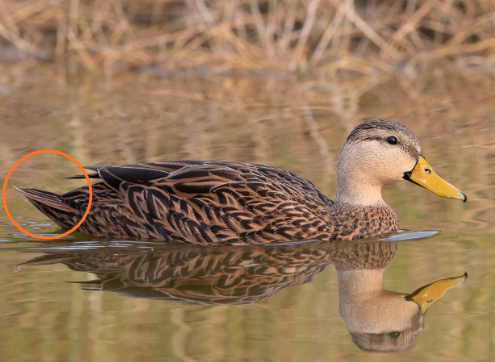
x: 229, y: 203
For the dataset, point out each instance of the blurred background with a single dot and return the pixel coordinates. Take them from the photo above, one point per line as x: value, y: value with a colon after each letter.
x: 317, y: 38
x: 273, y: 82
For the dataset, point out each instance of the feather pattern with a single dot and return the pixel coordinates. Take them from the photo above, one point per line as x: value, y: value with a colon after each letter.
x: 219, y: 203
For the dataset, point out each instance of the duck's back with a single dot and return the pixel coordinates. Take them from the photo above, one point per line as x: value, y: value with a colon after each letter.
x: 194, y: 202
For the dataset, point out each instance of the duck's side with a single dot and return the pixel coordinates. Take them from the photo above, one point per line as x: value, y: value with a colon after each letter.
x: 220, y: 203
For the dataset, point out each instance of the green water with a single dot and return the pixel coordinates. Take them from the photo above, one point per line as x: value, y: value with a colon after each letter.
x: 249, y: 304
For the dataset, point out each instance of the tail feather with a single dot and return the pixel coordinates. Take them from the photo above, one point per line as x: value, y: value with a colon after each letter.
x: 46, y: 198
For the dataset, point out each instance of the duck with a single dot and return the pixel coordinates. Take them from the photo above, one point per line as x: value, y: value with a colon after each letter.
x: 378, y: 319
x: 233, y: 203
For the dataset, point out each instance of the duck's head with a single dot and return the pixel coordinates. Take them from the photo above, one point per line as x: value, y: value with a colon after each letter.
x: 378, y: 152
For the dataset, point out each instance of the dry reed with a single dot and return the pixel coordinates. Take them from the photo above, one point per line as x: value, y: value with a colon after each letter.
x: 318, y: 37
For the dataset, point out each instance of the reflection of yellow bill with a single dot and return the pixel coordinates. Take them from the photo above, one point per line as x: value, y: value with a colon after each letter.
x: 423, y: 175
x: 425, y: 296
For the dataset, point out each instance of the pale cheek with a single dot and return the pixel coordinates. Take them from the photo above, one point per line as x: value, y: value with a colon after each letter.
x: 393, y: 174
x: 397, y: 166
x: 409, y: 164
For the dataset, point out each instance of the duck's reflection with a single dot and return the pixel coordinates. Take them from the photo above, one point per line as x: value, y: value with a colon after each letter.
x: 382, y: 320
x: 378, y: 319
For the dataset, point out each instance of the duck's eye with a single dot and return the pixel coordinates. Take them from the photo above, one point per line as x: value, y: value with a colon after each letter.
x: 392, y: 140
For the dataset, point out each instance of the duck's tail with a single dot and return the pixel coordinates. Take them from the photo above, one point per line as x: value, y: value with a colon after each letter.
x: 52, y: 205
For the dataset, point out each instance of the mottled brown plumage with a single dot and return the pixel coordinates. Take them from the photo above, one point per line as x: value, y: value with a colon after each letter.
x: 229, y: 203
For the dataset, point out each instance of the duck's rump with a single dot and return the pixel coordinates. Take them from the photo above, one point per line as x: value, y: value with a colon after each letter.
x: 197, y: 202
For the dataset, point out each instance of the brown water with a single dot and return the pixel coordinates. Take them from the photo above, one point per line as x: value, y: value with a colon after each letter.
x: 154, y: 302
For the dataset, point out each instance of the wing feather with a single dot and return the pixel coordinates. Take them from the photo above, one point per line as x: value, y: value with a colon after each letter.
x: 199, y: 202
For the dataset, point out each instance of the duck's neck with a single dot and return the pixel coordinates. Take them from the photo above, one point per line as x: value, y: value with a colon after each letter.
x: 357, y: 191
x: 357, y: 183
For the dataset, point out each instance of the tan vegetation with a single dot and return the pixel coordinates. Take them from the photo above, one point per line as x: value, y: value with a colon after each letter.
x: 321, y: 37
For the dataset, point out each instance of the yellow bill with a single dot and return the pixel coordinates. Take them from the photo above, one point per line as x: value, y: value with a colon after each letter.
x: 427, y: 295
x: 423, y: 175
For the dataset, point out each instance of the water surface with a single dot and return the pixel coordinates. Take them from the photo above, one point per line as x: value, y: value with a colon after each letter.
x: 274, y: 303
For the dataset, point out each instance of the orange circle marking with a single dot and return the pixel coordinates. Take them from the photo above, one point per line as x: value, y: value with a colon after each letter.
x: 55, y: 236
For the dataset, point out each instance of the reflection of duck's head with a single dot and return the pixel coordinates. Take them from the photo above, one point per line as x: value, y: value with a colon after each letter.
x: 378, y: 319
x: 381, y: 320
